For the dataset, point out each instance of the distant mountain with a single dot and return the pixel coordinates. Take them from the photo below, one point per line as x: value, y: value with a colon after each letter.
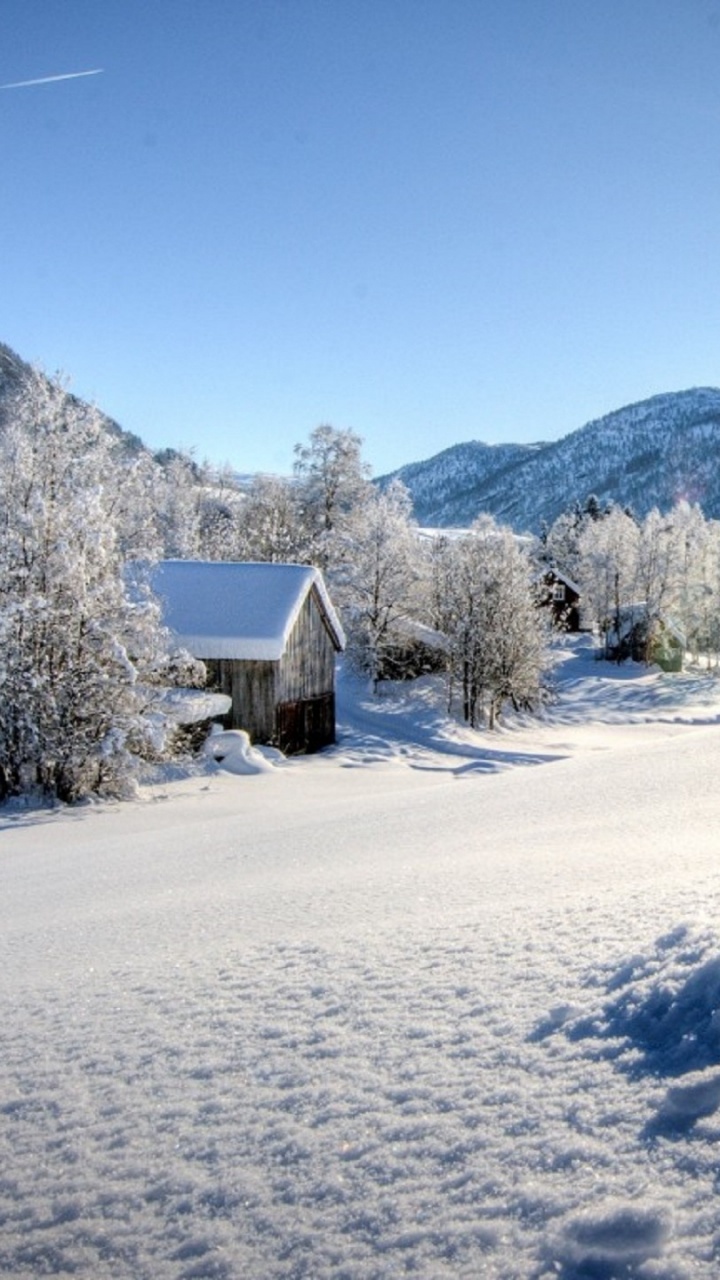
x: 445, y: 490
x: 649, y: 454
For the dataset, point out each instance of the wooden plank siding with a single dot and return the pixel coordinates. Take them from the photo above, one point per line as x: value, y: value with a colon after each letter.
x: 252, y: 687
x: 289, y: 703
x: 307, y: 667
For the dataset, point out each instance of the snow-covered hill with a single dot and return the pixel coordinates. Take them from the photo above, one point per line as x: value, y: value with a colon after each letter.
x: 647, y: 454
x: 14, y: 375
x: 432, y: 1003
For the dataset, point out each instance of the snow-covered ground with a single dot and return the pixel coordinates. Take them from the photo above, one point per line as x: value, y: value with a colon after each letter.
x: 433, y: 1003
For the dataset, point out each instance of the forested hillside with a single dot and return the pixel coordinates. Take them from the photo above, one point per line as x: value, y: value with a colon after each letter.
x: 651, y: 454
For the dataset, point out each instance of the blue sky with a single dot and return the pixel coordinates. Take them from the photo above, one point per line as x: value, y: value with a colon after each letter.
x: 427, y: 220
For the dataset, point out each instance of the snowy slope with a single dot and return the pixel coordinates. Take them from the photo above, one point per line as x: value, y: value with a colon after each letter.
x: 432, y: 1003
x: 14, y: 375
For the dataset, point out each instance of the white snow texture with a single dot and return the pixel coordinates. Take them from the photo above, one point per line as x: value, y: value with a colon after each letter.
x: 433, y: 1002
x: 228, y: 609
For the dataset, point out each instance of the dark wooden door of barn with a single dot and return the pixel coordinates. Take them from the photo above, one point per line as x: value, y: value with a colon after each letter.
x: 305, y: 725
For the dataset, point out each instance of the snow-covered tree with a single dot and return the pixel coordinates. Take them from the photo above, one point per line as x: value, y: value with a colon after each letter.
x: 560, y: 544
x: 73, y: 644
x: 331, y: 479
x: 376, y: 579
x: 177, y: 511
x: 608, y: 566
x: 270, y: 526
x: 484, y: 603
x: 696, y: 604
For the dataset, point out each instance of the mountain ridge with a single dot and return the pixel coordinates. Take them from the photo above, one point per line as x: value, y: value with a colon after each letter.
x: 649, y: 453
x: 16, y: 372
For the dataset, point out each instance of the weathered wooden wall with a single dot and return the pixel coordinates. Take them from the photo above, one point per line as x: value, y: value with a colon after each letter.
x: 307, y: 668
x: 253, y: 689
x: 290, y: 703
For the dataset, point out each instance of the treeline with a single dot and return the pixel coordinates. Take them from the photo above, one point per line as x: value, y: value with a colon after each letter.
x: 666, y: 566
x: 85, y: 660
x: 463, y: 605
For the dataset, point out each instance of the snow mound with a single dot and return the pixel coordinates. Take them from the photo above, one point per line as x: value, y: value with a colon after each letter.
x: 232, y: 749
x: 618, y: 1233
x: 697, y: 1096
x: 663, y: 1017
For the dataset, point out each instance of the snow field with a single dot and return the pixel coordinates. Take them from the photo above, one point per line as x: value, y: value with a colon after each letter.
x: 452, y: 1013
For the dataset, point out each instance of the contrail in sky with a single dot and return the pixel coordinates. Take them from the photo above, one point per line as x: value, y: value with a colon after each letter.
x: 70, y: 75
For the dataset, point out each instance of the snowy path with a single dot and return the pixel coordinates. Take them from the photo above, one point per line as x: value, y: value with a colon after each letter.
x: 412, y: 1018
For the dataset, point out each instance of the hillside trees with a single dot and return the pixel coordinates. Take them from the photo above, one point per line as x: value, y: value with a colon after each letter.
x: 270, y: 526
x: 696, y: 603
x: 666, y: 565
x: 73, y: 645
x: 607, y: 568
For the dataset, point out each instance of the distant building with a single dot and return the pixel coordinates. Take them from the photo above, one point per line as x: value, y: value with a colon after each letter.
x: 633, y: 634
x: 561, y: 596
x: 268, y: 635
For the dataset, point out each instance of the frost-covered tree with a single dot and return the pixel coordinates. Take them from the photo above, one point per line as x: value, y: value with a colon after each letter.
x: 560, y: 544
x: 331, y: 479
x: 608, y: 566
x: 658, y: 569
x: 219, y: 504
x: 270, y: 526
x: 73, y: 644
x: 376, y: 580
x: 696, y: 603
x: 134, y: 507
x: 485, y: 604
x: 177, y: 509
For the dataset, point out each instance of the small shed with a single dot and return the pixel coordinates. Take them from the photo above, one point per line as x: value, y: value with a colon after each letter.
x: 268, y: 635
x: 634, y: 634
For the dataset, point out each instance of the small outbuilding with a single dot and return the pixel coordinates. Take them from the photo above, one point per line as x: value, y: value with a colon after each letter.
x: 632, y: 633
x: 268, y: 635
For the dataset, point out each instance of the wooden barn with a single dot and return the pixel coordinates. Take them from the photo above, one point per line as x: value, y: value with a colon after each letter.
x: 268, y: 635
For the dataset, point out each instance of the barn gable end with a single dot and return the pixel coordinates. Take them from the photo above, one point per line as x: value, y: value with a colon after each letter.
x: 268, y: 635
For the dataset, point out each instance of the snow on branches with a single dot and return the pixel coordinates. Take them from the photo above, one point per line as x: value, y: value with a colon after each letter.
x: 73, y: 643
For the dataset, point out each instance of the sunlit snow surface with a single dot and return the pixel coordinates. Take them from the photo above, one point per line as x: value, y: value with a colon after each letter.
x: 433, y: 1003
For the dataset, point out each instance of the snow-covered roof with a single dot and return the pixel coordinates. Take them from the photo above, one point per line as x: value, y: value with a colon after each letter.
x: 237, y: 610
x: 558, y: 574
x: 630, y: 615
